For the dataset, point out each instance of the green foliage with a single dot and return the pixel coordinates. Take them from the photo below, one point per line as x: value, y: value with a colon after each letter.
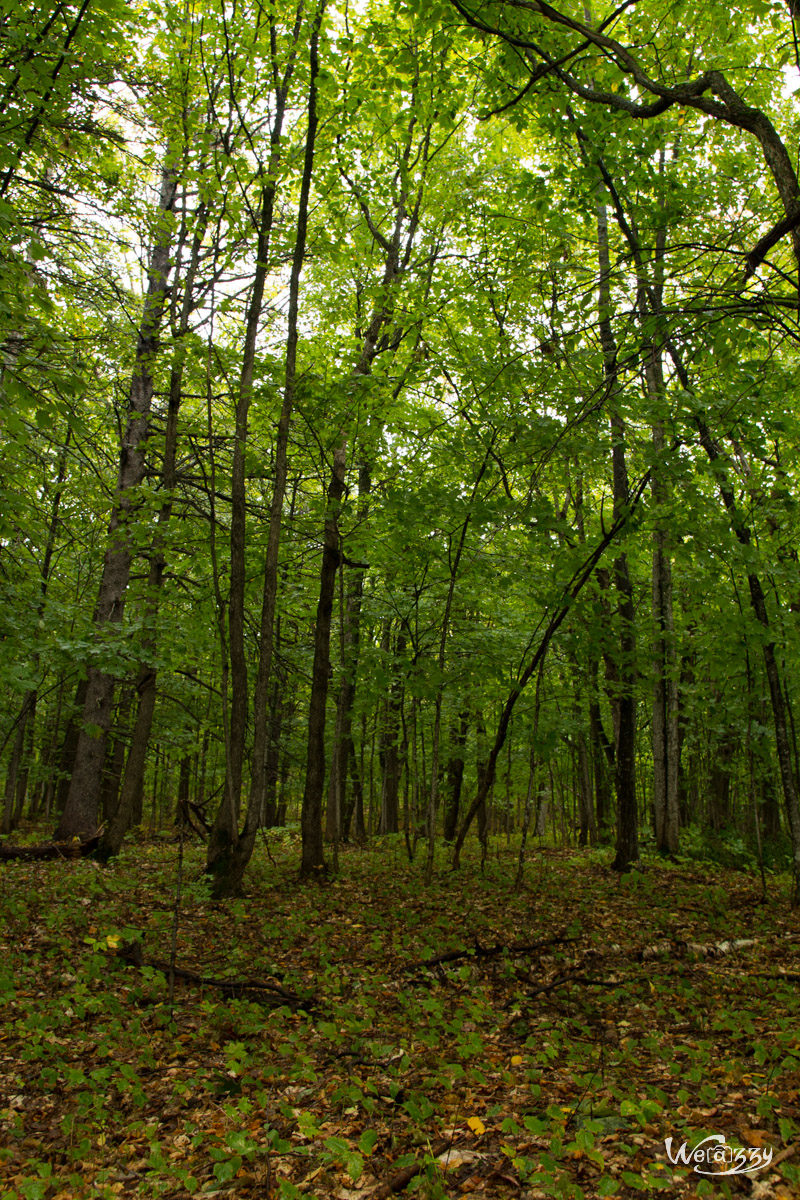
x: 568, y: 1089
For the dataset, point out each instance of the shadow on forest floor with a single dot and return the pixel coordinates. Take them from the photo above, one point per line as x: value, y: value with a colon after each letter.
x: 624, y: 1012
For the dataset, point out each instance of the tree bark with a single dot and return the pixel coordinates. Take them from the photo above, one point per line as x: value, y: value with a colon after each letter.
x: 759, y: 606
x: 80, y: 815
x: 229, y: 851
x: 627, y: 840
x: 343, y: 749
x: 121, y: 818
x: 665, y: 734
x: 454, y: 773
x: 8, y: 823
x: 313, y: 856
x: 389, y: 751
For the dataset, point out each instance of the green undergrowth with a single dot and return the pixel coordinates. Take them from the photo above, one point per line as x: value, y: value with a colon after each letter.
x: 578, y: 1023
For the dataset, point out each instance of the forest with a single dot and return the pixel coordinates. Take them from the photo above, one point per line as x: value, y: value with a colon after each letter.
x: 399, y: 585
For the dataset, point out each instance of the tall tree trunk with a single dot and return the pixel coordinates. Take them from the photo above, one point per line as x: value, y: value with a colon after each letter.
x: 80, y: 815
x: 602, y: 756
x: 225, y: 830
x: 481, y: 772
x: 627, y: 842
x: 69, y: 745
x: 455, y: 562
x: 226, y: 825
x: 277, y: 707
x: 759, y: 606
x: 122, y: 817
x: 228, y: 851
x: 571, y: 590
x: 115, y: 760
x: 360, y: 831
x: 313, y: 857
x: 343, y: 749
x: 7, y: 824
x: 454, y: 773
x: 389, y: 821
x: 17, y: 776
x: 665, y: 734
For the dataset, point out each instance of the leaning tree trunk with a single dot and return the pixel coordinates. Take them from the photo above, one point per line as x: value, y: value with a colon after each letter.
x: 570, y: 592
x: 455, y: 562
x: 772, y: 670
x: 80, y: 815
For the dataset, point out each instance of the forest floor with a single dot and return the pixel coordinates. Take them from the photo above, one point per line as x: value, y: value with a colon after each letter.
x: 567, y: 1029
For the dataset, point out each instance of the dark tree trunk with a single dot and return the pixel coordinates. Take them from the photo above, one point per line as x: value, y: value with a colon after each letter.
x: 80, y: 815
x: 10, y: 818
x: 481, y: 771
x: 122, y: 816
x: 602, y: 759
x: 272, y: 763
x: 360, y: 830
x: 389, y: 749
x: 313, y: 856
x: 69, y: 745
x: 115, y: 761
x: 128, y: 811
x: 759, y: 606
x: 454, y: 773
x: 351, y: 641
x: 228, y: 851
x: 665, y: 735
x: 627, y: 841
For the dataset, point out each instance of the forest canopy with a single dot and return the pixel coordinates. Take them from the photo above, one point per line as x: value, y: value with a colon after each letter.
x: 399, y: 424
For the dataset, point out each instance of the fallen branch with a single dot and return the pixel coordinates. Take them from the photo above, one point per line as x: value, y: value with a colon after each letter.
x: 679, y: 949
x: 132, y: 954
x: 479, y: 951
x: 50, y: 850
x: 571, y: 977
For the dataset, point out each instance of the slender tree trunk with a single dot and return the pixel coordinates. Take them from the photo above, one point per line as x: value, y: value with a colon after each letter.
x: 272, y: 762
x: 481, y: 770
x: 313, y: 857
x: 121, y: 818
x: 454, y: 773
x: 455, y: 562
x: 665, y: 735
x: 228, y: 851
x: 80, y: 815
x: 14, y: 764
x: 627, y: 844
x: 602, y: 756
x: 17, y: 776
x: 115, y: 760
x: 569, y: 594
x: 343, y: 751
x: 226, y: 825
x: 360, y: 832
x: 759, y: 606
x: 389, y: 753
